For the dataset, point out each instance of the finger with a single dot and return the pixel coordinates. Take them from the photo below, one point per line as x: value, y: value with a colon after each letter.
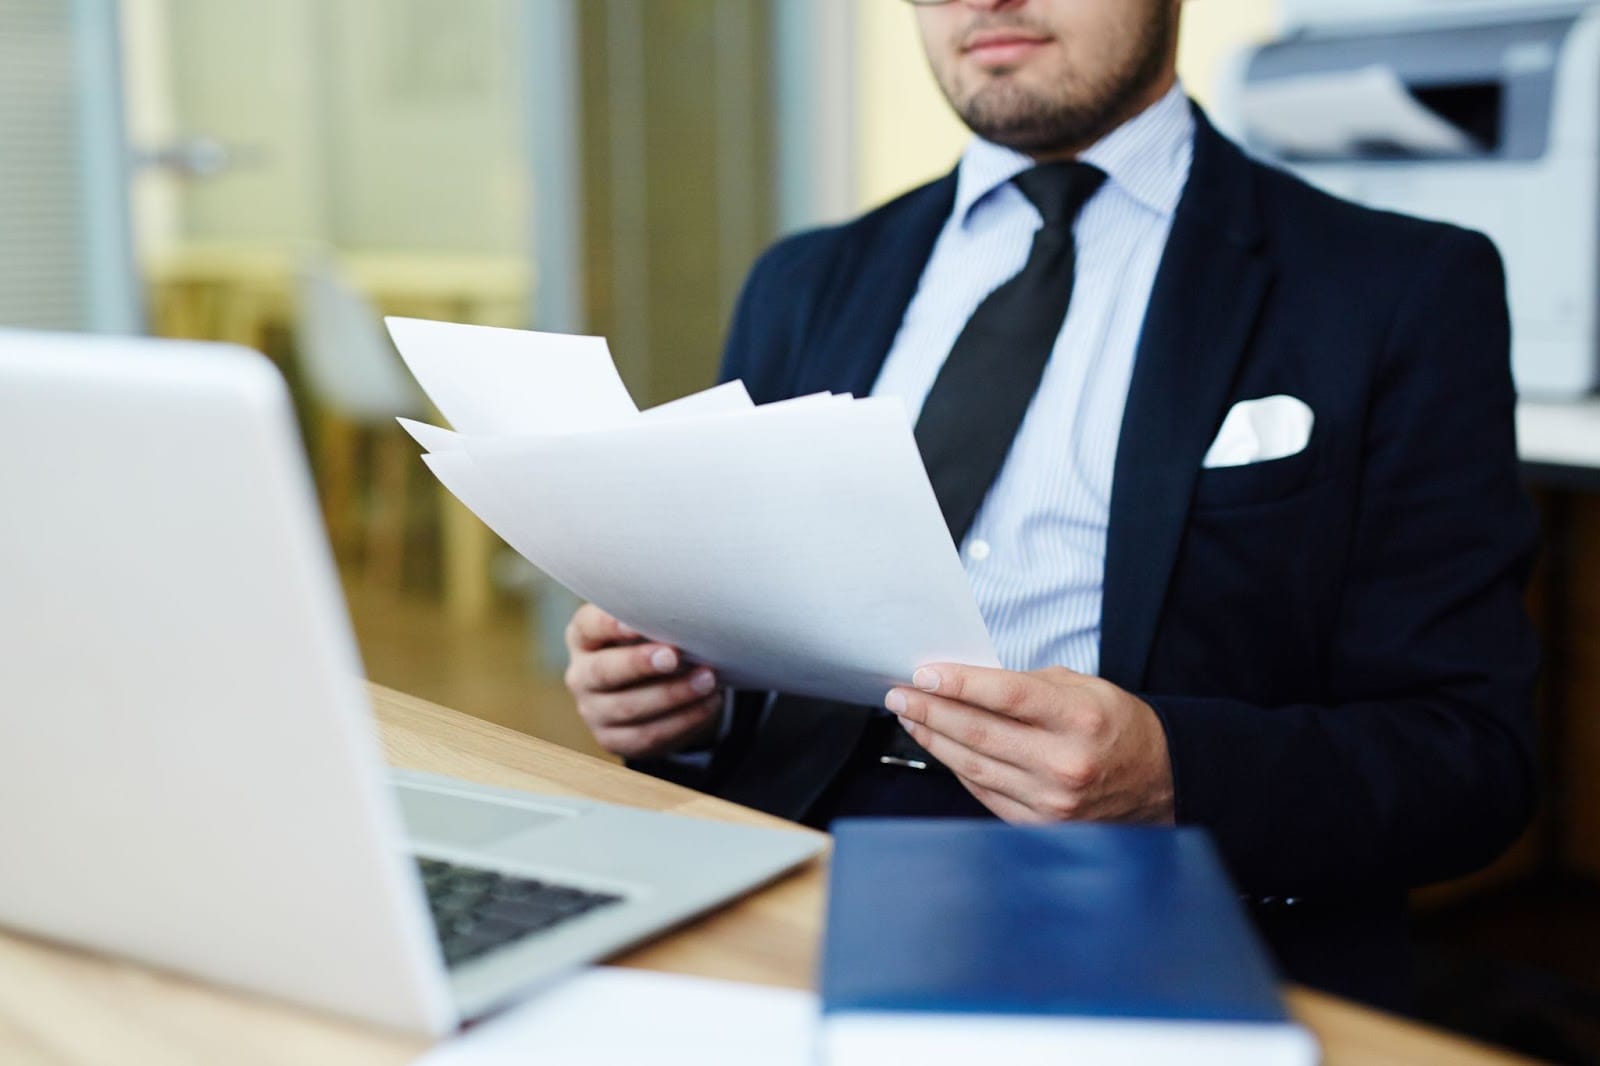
x: 1004, y: 806
x: 1015, y: 695
x: 592, y: 628
x: 615, y: 668
x: 974, y: 767
x: 664, y: 735
x: 973, y: 728
x: 644, y: 703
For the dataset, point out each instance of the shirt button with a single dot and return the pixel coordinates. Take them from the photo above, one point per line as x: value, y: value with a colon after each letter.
x: 978, y: 550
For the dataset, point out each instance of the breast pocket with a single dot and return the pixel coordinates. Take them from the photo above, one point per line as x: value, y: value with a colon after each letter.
x: 1257, y: 483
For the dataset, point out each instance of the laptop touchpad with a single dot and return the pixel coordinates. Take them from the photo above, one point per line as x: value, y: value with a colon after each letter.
x: 465, y: 821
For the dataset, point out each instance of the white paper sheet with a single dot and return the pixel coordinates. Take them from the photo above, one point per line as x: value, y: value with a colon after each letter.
x: 798, y: 549
x: 616, y: 1017
x: 795, y: 546
x: 457, y: 472
x: 432, y: 438
x: 489, y: 380
x: 1334, y: 114
x: 728, y: 398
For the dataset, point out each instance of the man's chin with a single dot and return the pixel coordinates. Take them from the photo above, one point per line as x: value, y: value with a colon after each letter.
x: 1009, y: 116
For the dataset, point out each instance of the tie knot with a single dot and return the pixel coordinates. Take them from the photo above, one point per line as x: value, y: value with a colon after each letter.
x: 1059, y: 190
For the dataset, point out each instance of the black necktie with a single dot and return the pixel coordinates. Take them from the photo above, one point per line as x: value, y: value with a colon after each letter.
x: 976, y: 405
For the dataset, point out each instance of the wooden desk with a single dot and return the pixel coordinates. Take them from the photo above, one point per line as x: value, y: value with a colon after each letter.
x: 63, y: 1008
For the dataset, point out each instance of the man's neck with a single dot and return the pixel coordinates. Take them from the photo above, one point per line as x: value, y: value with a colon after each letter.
x: 1135, y: 106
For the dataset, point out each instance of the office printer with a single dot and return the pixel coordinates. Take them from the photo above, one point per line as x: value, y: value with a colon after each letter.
x: 1485, y: 113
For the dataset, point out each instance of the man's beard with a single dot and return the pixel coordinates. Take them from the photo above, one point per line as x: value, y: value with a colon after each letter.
x: 1032, y: 121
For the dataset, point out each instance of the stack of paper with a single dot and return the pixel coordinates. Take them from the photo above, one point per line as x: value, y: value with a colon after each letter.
x: 795, y: 546
x: 609, y: 1016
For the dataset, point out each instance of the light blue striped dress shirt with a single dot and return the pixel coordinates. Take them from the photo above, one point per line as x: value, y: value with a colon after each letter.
x: 1036, y: 551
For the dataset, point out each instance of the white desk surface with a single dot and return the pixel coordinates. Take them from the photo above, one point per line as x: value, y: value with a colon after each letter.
x: 1564, y: 433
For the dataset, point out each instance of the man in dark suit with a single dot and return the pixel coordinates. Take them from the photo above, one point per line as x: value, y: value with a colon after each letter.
x: 1232, y: 469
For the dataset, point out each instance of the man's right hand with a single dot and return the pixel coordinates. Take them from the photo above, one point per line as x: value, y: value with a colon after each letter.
x: 639, y: 698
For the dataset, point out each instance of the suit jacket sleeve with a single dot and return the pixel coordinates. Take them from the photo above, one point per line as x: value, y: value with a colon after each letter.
x: 1419, y: 766
x: 762, y: 335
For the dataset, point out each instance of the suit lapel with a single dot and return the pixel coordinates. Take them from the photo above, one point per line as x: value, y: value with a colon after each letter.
x: 1207, y: 297
x: 872, y: 285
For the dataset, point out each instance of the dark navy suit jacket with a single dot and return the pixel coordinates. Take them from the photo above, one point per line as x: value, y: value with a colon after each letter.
x: 1335, y: 642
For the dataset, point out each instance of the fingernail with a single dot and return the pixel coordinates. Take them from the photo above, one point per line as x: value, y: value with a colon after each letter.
x: 895, y: 701
x: 624, y: 629
x: 664, y: 660
x: 703, y: 681
x: 925, y: 679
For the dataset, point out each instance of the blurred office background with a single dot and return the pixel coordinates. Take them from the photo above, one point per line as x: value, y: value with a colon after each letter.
x: 280, y: 174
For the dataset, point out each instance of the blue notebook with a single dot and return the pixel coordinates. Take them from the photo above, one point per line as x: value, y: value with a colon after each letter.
x: 949, y: 939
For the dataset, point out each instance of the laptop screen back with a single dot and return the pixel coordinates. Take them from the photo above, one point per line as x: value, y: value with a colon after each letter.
x: 187, y: 761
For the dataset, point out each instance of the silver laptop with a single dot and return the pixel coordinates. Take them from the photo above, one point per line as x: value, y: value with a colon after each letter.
x: 189, y: 772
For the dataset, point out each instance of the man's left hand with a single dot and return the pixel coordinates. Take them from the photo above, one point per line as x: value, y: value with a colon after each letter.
x: 1047, y: 746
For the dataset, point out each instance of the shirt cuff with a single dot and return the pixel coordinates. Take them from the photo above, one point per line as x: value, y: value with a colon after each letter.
x: 700, y: 758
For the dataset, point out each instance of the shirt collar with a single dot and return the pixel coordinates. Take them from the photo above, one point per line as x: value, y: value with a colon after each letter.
x: 1147, y: 157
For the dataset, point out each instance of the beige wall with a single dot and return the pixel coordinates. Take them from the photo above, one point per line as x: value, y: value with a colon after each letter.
x: 370, y: 124
x: 1215, y: 29
x: 907, y: 134
x: 241, y: 73
x: 422, y: 125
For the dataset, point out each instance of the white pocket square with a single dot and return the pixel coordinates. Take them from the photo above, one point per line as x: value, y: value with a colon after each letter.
x: 1273, y: 427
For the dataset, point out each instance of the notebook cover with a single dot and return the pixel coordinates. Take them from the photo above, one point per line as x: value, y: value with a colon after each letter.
x: 1105, y: 921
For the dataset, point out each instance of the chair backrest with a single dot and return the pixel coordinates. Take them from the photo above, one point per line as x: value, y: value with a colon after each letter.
x: 349, y: 364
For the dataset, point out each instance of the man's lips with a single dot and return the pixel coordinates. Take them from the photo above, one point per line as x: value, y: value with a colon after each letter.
x: 1002, y: 47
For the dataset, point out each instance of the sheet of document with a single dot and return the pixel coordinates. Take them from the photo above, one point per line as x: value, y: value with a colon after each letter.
x: 489, y: 380
x: 1335, y: 114
x: 793, y: 547
x: 432, y: 438
x: 609, y: 1016
x: 728, y: 398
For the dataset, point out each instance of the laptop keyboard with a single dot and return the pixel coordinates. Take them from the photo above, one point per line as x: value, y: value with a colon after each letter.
x: 476, y: 911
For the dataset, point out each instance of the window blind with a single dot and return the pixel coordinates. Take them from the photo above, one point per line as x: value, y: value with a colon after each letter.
x: 63, y: 178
